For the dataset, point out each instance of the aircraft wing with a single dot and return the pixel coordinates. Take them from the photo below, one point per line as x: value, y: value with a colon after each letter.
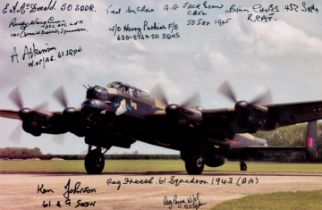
x: 276, y: 115
x: 10, y: 114
x: 37, y: 122
x: 251, y: 149
x: 218, y: 116
x: 291, y: 113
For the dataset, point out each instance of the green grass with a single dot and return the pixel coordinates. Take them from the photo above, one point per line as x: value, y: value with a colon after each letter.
x: 280, y: 200
x: 128, y: 166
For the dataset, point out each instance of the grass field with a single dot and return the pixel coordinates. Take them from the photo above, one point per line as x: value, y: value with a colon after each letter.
x: 280, y: 200
x: 128, y: 166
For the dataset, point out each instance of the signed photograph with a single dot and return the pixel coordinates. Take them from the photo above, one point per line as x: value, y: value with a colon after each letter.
x: 160, y: 104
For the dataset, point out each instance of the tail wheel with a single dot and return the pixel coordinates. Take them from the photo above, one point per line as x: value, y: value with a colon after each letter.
x: 243, y: 166
x: 194, y: 164
x: 94, y: 162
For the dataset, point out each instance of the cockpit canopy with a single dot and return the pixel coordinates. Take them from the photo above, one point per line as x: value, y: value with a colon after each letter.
x: 128, y: 90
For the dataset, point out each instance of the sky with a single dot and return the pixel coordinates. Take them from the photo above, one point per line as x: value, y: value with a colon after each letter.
x: 284, y: 56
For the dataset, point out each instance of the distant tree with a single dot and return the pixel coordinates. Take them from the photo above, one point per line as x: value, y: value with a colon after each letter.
x: 20, y: 153
x: 294, y: 135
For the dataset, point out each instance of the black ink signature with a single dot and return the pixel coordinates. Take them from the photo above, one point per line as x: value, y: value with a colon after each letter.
x: 178, y: 181
x: 22, y: 7
x: 191, y: 202
x: 41, y: 189
x: 130, y: 181
x: 51, y: 22
x: 76, y: 189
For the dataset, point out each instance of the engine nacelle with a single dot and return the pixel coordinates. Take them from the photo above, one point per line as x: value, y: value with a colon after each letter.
x: 29, y: 123
x: 214, y: 160
x: 183, y: 116
x: 24, y: 113
x: 172, y: 110
x: 31, y: 127
x: 251, y: 117
x: 69, y: 114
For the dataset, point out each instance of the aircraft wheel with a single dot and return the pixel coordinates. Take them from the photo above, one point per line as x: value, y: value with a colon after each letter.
x: 243, y: 166
x: 194, y: 164
x: 94, y: 162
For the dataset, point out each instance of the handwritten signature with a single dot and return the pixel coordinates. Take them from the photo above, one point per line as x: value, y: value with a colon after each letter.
x: 191, y: 202
x: 70, y: 189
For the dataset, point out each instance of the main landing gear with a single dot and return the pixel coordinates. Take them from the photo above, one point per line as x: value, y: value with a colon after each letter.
x: 194, y: 164
x: 94, y: 160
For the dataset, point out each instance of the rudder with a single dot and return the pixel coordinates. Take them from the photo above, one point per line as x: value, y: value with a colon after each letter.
x: 310, y: 142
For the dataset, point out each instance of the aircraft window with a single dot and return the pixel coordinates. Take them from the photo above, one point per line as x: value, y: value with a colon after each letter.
x: 128, y: 89
x: 131, y: 92
x: 115, y: 85
x: 143, y: 94
x: 135, y: 94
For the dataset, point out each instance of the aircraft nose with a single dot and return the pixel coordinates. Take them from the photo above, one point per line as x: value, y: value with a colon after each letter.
x: 92, y: 106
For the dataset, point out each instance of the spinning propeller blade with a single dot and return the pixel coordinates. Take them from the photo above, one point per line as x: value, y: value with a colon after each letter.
x: 226, y: 89
x: 15, y: 136
x: 41, y: 107
x: 159, y: 94
x: 16, y: 98
x: 193, y: 100
x: 263, y: 98
x: 60, y: 96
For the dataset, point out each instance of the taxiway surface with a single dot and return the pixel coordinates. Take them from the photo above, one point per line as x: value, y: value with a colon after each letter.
x: 140, y: 191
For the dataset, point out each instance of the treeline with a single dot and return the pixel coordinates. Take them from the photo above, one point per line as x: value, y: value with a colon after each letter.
x: 20, y: 153
x: 35, y: 153
x: 116, y: 157
x: 294, y: 135
x: 290, y: 136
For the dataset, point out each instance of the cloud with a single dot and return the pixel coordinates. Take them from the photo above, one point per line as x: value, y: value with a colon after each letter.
x: 274, y: 39
x: 280, y: 38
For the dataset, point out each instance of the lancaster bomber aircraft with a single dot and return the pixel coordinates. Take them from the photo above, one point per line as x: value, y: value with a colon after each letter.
x: 120, y: 114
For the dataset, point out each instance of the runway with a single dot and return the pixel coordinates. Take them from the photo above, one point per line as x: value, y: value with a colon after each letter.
x: 141, y: 191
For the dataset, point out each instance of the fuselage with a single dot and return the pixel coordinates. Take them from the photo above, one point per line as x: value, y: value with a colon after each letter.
x: 125, y: 110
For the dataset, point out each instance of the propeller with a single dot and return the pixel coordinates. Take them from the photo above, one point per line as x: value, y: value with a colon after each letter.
x: 250, y: 114
x: 41, y: 107
x: 193, y: 100
x: 15, y: 135
x: 181, y: 114
x: 263, y: 98
x: 158, y: 93
x: 60, y: 96
x: 16, y: 99
x: 226, y: 90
